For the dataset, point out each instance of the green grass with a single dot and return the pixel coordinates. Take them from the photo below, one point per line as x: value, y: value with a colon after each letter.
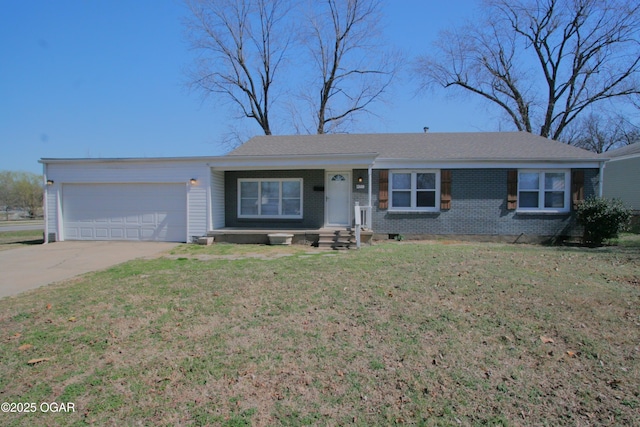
x: 628, y: 240
x: 13, y: 239
x: 432, y: 334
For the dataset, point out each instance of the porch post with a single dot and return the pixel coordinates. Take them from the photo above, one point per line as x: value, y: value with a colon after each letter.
x: 358, y: 223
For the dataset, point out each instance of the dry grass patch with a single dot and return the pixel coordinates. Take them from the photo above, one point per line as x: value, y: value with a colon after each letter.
x: 398, y: 333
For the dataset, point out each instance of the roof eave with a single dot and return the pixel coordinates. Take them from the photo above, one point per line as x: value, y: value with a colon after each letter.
x: 306, y: 161
x: 205, y: 159
x: 484, y: 163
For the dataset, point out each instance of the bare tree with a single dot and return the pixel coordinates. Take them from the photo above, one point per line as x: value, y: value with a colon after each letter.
x: 601, y: 133
x: 543, y: 62
x: 242, y: 45
x: 352, y: 69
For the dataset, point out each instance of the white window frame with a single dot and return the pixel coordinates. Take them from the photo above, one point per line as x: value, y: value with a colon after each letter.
x: 280, y: 181
x: 541, y: 191
x: 414, y: 191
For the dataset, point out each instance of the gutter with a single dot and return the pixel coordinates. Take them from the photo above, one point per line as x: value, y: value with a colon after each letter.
x: 52, y: 160
x: 315, y: 161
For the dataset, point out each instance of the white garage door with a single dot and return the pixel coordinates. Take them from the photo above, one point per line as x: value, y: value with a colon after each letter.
x: 125, y: 212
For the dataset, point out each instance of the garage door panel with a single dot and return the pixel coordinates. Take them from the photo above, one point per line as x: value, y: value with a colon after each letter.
x: 132, y: 234
x: 124, y: 212
x: 148, y: 234
x: 86, y: 233
x: 116, y: 233
x: 148, y: 218
x: 102, y: 233
x: 131, y: 219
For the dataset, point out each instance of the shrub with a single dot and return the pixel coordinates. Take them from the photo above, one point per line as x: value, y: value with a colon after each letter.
x: 602, y: 219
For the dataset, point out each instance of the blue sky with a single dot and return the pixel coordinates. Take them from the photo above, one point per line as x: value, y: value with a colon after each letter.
x: 106, y: 78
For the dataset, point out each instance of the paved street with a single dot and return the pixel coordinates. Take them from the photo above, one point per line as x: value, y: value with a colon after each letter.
x: 21, y: 225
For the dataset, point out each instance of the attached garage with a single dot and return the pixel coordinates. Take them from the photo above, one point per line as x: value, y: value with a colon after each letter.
x: 135, y: 199
x: 149, y: 211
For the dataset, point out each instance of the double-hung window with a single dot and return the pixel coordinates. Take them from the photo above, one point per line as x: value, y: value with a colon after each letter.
x: 270, y: 198
x: 543, y: 190
x: 414, y: 190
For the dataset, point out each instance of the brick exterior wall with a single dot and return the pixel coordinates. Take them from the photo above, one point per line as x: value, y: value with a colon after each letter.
x: 313, y: 200
x: 478, y: 207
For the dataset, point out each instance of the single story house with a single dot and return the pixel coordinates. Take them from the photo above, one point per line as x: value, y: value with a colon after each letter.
x: 622, y: 175
x: 498, y: 185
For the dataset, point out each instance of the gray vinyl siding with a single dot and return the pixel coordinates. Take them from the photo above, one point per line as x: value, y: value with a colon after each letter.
x: 217, y: 199
x: 478, y: 207
x: 622, y: 181
x: 313, y: 199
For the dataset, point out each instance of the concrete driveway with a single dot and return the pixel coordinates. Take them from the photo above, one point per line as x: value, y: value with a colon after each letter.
x: 30, y: 267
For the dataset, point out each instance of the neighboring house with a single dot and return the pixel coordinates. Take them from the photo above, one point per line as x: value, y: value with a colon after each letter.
x: 509, y: 185
x: 622, y: 175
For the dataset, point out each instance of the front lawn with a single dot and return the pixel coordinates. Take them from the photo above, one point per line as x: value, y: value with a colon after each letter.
x: 14, y: 239
x: 397, y: 333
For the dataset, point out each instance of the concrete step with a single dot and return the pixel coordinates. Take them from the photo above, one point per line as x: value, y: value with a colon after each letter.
x: 338, y: 239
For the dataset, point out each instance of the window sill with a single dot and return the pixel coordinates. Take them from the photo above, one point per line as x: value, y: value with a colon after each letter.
x: 269, y: 217
x: 541, y: 212
x: 413, y: 212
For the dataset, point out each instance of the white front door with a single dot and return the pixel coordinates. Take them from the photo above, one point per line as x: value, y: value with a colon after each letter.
x: 338, y: 199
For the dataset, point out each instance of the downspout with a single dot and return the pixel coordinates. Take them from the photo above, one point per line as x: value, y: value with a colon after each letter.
x: 59, y: 218
x: 209, y: 202
x: 188, y: 237
x: 601, y: 179
x: 370, y: 180
x: 370, y: 209
x: 45, y: 203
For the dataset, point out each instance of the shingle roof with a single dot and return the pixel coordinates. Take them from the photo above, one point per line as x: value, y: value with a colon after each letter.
x: 469, y: 146
x: 624, y: 151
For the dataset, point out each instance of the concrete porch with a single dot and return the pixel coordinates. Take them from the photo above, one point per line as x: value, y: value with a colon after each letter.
x: 332, y: 237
